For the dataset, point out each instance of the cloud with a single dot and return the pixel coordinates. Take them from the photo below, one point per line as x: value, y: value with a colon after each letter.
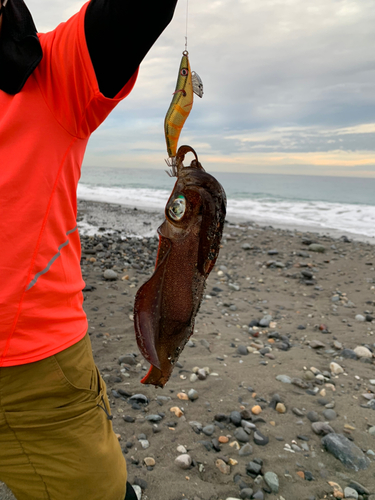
x: 285, y: 81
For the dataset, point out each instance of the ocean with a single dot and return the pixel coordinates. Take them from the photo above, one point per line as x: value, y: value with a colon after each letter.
x: 336, y: 204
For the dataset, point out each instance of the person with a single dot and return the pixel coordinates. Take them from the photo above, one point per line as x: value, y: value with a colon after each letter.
x: 56, y: 88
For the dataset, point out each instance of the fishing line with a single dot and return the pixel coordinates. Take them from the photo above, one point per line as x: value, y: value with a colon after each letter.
x: 186, y: 33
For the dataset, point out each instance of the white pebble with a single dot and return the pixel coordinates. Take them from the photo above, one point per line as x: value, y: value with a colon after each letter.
x: 335, y: 368
x: 183, y: 461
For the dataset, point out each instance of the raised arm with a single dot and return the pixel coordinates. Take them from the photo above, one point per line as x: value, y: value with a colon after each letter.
x: 119, y: 33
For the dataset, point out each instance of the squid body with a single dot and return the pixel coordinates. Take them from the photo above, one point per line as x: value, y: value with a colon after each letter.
x: 189, y: 241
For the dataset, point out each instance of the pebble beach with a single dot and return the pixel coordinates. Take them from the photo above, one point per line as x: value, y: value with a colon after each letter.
x: 273, y: 397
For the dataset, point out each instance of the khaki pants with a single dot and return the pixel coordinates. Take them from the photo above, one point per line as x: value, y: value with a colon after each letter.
x: 56, y: 440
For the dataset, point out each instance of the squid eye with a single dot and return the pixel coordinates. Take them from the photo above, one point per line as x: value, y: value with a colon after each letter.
x: 177, y: 208
x: 184, y: 72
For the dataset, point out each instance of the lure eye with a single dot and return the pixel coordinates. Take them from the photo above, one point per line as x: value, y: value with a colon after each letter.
x: 177, y: 209
x: 184, y: 72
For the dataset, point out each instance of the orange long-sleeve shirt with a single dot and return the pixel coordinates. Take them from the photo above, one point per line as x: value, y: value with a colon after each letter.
x: 44, y: 131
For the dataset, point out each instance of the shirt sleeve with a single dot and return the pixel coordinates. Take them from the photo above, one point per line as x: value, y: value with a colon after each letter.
x: 119, y: 34
x: 67, y: 79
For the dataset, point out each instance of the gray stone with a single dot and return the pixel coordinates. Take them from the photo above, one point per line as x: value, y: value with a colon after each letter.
x: 335, y: 368
x: 246, y: 246
x: 235, y: 418
x: 202, y: 374
x: 260, y: 439
x: 258, y: 495
x: 234, y: 286
x: 300, y: 383
x: 139, y: 398
x: 348, y: 354
x: 285, y: 379
x: 322, y: 428
x: 298, y: 412
x: 242, y: 349
x: 196, y: 425
x: 249, y: 425
x: 246, y: 493
x: 316, y: 344
x: 153, y: 418
x: 272, y: 481
x: 360, y: 317
x: 266, y: 320
x: 315, y: 247
x: 241, y: 435
x: 346, y: 451
x: 350, y: 493
x: 253, y: 468
x: 208, y: 430
x: 110, y: 275
x: 359, y: 488
x: 192, y: 395
x: 246, y: 450
x: 329, y: 414
x: 128, y: 359
x: 372, y: 431
x: 144, y: 443
x: 183, y: 461
x: 313, y: 416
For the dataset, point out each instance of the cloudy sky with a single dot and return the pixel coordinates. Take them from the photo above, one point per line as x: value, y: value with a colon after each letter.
x: 289, y: 88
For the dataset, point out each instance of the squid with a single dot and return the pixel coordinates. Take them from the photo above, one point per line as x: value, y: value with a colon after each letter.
x: 189, y: 240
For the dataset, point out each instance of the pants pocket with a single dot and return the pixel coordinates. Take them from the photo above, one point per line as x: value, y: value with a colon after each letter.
x: 77, y: 368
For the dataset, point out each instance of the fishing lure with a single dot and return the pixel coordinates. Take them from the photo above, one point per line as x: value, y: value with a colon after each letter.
x: 189, y: 241
x: 188, y: 84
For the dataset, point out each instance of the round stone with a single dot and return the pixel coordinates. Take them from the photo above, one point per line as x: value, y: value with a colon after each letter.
x: 223, y: 439
x: 313, y: 416
x: 260, y: 439
x: 208, y: 430
x: 316, y: 247
x: 222, y: 466
x: 246, y: 450
x: 350, y: 493
x: 329, y: 414
x: 149, y: 461
x: 363, y: 352
x: 272, y: 481
x: 193, y: 395
x: 280, y: 408
x: 242, y: 350
x: 246, y: 493
x: 110, y: 275
x: 256, y: 410
x: 335, y: 368
x: 241, y: 435
x: 322, y: 428
x: 235, y: 418
x: 183, y: 461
